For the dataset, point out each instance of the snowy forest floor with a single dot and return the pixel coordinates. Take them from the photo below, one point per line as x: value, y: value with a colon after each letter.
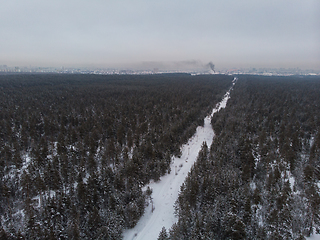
x: 160, y: 211
x: 314, y: 237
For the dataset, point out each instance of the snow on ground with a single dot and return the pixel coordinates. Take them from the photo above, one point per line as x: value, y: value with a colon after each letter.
x: 165, y: 191
x: 314, y: 237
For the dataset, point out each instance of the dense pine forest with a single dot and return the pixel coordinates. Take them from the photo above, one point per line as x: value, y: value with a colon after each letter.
x: 76, y: 150
x: 260, y: 178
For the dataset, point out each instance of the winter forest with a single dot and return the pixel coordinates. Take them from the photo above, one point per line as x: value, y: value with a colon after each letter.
x: 77, y: 150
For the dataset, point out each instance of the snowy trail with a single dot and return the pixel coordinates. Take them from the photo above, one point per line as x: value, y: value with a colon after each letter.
x: 166, y: 191
x: 314, y: 237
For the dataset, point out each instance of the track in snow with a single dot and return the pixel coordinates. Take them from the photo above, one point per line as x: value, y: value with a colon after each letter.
x: 166, y: 191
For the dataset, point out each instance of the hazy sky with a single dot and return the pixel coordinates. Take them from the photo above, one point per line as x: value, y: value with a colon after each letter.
x: 109, y: 33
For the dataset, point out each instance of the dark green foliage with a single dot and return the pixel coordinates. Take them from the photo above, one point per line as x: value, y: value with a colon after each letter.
x: 260, y: 179
x: 163, y: 235
x: 75, y: 150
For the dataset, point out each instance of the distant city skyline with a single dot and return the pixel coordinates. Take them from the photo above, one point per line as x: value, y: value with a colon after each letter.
x: 161, y: 34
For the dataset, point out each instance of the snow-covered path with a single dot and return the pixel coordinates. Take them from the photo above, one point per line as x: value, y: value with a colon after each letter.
x: 165, y: 191
x: 314, y: 237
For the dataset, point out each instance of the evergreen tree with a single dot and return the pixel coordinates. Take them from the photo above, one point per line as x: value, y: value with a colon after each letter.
x: 163, y: 235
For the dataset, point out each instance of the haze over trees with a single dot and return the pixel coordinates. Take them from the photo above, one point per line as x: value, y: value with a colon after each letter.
x: 75, y: 150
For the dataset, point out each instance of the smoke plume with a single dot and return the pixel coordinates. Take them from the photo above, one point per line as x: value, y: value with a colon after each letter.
x: 211, y: 66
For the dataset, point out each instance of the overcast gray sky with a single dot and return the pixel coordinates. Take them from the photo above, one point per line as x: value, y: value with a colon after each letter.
x: 110, y: 33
